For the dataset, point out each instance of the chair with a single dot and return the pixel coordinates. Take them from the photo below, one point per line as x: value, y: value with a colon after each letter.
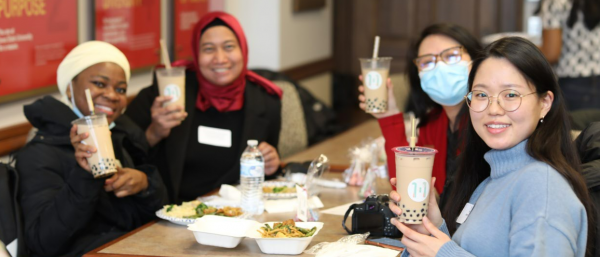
x: 11, y: 220
x: 292, y: 136
x: 588, y: 147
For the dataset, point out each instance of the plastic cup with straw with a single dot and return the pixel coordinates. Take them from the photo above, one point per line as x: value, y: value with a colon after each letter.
x: 375, y: 72
x: 414, y: 166
x: 171, y: 80
x: 102, y: 163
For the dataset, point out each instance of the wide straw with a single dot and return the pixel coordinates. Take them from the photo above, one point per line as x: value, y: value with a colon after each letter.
x: 376, y: 47
x: 88, y: 97
x: 413, y: 133
x: 165, y: 54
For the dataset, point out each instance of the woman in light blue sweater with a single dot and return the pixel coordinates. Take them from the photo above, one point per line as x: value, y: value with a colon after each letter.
x: 518, y: 170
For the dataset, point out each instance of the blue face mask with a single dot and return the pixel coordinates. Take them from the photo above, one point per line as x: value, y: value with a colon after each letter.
x: 446, y: 84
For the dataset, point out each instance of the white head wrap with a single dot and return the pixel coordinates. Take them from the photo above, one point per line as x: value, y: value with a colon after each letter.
x: 84, y: 56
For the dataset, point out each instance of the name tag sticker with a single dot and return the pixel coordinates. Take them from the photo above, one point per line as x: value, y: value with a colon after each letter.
x: 214, y: 136
x: 464, y: 214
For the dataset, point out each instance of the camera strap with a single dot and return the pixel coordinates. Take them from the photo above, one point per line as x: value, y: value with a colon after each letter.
x: 351, y: 208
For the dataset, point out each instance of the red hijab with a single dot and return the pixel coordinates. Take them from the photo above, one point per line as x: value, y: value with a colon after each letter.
x: 231, y: 97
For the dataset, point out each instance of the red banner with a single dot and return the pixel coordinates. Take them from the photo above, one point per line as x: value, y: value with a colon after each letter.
x: 187, y: 13
x: 35, y: 35
x: 133, y: 26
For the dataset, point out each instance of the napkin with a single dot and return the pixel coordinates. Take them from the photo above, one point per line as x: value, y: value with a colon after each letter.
x: 289, y: 205
x: 350, y: 250
x: 339, y: 210
x: 228, y: 196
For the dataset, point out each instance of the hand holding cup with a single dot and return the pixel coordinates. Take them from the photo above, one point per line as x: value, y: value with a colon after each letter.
x: 163, y: 119
x: 433, y: 214
x: 82, y: 151
x: 392, y: 107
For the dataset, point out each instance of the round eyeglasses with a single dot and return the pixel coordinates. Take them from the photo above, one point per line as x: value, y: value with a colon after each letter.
x: 509, y: 99
x: 427, y: 62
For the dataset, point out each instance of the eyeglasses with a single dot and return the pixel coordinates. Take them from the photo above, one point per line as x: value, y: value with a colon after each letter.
x: 509, y: 99
x: 427, y: 62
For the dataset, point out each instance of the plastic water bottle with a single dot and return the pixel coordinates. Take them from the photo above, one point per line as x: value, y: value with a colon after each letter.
x: 252, y: 176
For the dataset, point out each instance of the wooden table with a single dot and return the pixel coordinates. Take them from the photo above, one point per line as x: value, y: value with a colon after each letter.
x: 162, y: 238
x: 336, y: 148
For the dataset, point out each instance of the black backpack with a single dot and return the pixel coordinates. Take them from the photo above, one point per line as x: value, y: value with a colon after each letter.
x: 11, y: 220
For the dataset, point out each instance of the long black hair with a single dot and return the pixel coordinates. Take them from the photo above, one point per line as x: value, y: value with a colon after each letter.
x: 590, y: 10
x: 559, y: 152
x: 420, y: 103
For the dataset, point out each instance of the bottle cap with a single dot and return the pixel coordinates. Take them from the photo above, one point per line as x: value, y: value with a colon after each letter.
x: 252, y: 142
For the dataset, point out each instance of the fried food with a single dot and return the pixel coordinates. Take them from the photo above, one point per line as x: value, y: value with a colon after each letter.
x: 281, y: 189
x: 197, y: 209
x: 285, y: 229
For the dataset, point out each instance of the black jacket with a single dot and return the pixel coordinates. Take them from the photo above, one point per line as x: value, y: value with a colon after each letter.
x: 262, y: 121
x: 588, y: 146
x: 66, y: 211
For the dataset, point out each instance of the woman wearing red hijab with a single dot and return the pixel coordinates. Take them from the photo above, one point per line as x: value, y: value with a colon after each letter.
x: 197, y: 147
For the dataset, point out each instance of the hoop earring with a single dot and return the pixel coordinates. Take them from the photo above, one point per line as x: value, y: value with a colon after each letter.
x: 542, y: 119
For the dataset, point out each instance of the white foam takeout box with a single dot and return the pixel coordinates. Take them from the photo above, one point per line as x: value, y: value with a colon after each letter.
x: 229, y: 232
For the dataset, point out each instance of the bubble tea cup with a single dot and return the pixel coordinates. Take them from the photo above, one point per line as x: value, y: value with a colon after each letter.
x: 171, y: 82
x: 413, y: 181
x: 375, y: 73
x: 102, y: 163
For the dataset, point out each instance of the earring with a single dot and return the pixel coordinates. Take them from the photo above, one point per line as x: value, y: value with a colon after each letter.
x: 542, y: 119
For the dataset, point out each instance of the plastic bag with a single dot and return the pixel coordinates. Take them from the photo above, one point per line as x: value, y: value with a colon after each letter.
x: 327, y: 246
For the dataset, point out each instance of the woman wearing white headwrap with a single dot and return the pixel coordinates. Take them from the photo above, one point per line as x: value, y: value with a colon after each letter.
x: 66, y: 211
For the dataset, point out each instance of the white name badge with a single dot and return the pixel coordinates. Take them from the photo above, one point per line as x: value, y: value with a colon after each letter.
x: 214, y: 136
x: 464, y: 214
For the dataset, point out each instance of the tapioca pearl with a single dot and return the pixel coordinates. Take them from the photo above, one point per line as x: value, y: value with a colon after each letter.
x: 404, y: 214
x: 407, y: 210
x: 424, y: 204
x: 403, y: 206
x: 418, y: 215
x: 420, y: 220
x: 423, y: 210
x: 411, y: 215
x: 414, y: 220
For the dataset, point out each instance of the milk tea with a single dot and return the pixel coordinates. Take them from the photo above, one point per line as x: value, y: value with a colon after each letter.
x: 375, y: 90
x: 375, y: 74
x: 172, y: 83
x: 102, y: 163
x: 413, y: 182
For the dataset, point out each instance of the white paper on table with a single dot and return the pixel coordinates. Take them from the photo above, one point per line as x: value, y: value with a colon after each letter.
x: 334, y: 250
x: 339, y: 210
x: 228, y: 196
x: 289, y: 205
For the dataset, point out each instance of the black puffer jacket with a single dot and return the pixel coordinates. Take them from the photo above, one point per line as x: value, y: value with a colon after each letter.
x: 66, y: 211
x: 588, y: 145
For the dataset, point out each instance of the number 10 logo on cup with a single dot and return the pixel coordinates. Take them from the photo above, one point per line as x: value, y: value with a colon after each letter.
x: 373, y: 80
x: 418, y: 189
x: 172, y: 90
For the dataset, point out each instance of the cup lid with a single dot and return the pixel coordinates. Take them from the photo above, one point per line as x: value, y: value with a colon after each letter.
x: 419, y: 150
x: 90, y: 117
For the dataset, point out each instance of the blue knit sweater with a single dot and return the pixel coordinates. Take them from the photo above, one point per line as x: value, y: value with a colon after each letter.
x: 525, y: 208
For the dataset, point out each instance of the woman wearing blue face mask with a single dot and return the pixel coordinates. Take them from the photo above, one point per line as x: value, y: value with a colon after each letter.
x: 438, y: 70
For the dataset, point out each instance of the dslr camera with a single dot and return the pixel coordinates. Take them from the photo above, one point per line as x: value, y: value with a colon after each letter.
x: 374, y: 216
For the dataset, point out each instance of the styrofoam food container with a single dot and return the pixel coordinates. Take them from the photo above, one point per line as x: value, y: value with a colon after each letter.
x: 284, y: 245
x: 221, y: 231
